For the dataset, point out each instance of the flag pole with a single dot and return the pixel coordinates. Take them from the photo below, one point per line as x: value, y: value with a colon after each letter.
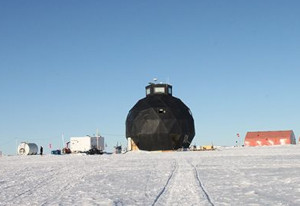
x: 238, y: 140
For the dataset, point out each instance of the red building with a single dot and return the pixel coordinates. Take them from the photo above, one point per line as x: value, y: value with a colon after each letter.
x: 262, y: 138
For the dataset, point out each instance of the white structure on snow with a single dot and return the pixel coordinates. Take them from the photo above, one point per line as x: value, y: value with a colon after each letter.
x: 27, y: 149
x: 84, y: 144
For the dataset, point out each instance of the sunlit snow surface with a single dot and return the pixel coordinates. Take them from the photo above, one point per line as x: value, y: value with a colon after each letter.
x: 228, y: 176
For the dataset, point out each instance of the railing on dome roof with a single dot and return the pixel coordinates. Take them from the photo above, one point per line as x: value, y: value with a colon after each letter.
x: 158, y: 88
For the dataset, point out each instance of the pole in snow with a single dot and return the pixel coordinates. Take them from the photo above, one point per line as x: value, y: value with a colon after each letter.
x: 238, y: 140
x: 63, y: 140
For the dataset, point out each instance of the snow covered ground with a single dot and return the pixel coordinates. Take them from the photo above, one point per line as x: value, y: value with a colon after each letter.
x: 228, y: 176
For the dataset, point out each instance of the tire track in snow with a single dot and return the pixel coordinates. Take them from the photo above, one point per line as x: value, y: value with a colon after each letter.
x: 183, y: 187
x: 60, y: 191
x: 63, y: 191
x: 175, y: 167
x: 201, y: 185
x: 41, y: 182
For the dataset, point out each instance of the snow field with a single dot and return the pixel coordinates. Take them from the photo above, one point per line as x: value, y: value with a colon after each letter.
x: 228, y: 176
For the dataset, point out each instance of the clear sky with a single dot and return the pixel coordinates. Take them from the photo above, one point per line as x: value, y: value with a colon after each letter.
x: 70, y: 67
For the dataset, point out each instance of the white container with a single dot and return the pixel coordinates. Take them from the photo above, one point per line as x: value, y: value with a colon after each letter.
x: 129, y: 144
x: 84, y: 144
x: 27, y: 149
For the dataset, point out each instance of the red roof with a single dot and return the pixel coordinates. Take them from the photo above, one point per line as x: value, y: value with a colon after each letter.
x: 269, y: 134
x: 269, y: 138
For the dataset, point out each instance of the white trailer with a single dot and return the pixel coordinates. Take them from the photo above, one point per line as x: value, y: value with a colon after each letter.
x: 84, y: 144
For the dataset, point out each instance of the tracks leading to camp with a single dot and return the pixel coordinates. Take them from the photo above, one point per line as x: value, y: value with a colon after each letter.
x: 43, y: 185
x: 174, y: 170
x: 201, y: 185
x: 184, y: 184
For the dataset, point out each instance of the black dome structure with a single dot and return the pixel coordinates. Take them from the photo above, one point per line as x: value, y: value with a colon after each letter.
x: 160, y: 121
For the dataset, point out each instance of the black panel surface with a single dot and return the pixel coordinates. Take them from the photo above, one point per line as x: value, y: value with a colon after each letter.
x: 160, y: 122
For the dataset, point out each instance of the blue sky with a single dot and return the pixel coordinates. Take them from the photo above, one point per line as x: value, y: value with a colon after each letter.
x: 70, y: 67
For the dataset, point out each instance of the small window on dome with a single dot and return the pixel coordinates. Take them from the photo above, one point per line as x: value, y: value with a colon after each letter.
x: 169, y: 90
x: 147, y: 91
x: 159, y: 90
x: 161, y: 111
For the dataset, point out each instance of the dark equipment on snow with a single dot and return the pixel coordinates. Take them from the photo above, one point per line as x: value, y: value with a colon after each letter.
x: 66, y: 150
x: 56, y: 152
x: 160, y: 121
x: 94, y: 151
